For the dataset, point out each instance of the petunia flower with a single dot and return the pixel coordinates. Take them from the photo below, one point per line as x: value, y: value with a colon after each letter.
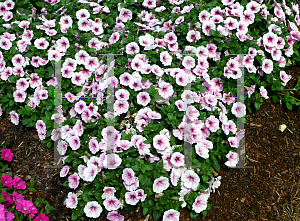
x: 73, y: 181
x: 41, y: 217
x: 64, y: 171
x: 238, y: 109
x: 160, y: 184
x: 171, y: 215
x: 190, y: 179
x: 114, y: 216
x: 111, y: 203
x: 92, y: 209
x: 233, y: 159
x: 200, y: 203
x: 7, y: 154
x: 14, y: 117
x: 24, y: 206
x: 131, y: 198
x: 263, y: 92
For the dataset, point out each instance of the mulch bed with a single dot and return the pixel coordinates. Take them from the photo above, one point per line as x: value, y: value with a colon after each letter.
x: 258, y: 193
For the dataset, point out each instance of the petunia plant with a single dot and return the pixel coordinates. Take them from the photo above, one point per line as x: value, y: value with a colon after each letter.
x: 166, y: 46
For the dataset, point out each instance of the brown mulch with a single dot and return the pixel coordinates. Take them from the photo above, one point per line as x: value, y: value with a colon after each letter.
x: 257, y: 193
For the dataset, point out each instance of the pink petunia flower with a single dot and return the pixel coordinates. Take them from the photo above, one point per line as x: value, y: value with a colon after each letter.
x: 114, y: 216
x: 263, y: 92
x: 7, y: 154
x: 160, y: 184
x: 111, y: 203
x: 17, y: 197
x: 7, y: 199
x: 64, y: 171
x: 19, y: 96
x: 200, y: 203
x: 171, y: 215
x: 190, y: 179
x: 19, y: 183
x: 92, y: 209
x: 24, y: 206
x: 73, y: 181
x: 131, y: 198
x: 233, y: 159
x: 128, y: 176
x: 143, y: 98
x: 41, y: 217
x: 238, y: 109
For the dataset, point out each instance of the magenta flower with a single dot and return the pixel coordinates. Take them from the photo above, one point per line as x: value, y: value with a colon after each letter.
x: 284, y: 77
x: 7, y: 181
x: 19, y: 183
x: 107, y: 192
x: 7, y: 154
x: 263, y: 92
x: 202, y: 151
x: 17, y: 197
x: 22, y: 84
x: 41, y: 217
x: 94, y: 146
x: 24, y: 206
x: 267, y: 66
x: 7, y: 199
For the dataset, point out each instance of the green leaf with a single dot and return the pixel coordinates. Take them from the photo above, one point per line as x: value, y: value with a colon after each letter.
x: 163, y: 200
x: 257, y: 105
x: 40, y: 4
x: 204, y: 213
x: 275, y: 98
x: 156, y: 214
x: 297, y: 87
x: 287, y: 95
x: 143, y: 178
x: 214, y: 163
x: 208, y: 206
x: 193, y: 214
x: 31, y: 182
x: 289, y: 106
x: 145, y: 210
x: 149, y: 167
x: 201, y: 88
x: 31, y: 189
x: 196, y: 163
x: 11, y: 102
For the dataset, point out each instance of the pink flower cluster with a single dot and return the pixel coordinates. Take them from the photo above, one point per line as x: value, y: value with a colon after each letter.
x: 24, y: 206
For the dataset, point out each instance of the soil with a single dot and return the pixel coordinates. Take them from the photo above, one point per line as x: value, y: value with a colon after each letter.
x: 264, y: 192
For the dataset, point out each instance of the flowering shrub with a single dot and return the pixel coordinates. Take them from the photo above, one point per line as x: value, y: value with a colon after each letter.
x: 13, y: 205
x: 146, y: 166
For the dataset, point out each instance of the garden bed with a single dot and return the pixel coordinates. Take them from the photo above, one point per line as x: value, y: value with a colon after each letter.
x: 262, y: 193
